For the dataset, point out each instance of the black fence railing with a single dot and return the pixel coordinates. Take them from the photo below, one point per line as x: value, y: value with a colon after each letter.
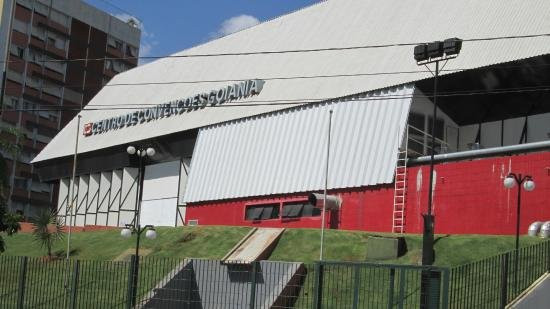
x: 497, y: 281
x: 168, y: 283
x: 193, y: 283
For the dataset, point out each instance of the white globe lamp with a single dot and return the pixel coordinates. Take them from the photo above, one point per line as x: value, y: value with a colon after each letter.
x: 509, y: 182
x: 529, y: 185
x: 126, y: 232
x: 151, y: 234
x: 131, y: 150
x: 151, y: 151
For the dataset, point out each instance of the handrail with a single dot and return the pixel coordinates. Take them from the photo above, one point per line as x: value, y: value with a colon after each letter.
x: 428, y: 135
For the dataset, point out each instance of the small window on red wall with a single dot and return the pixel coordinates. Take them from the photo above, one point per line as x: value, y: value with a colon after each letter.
x: 262, y: 212
x: 300, y: 209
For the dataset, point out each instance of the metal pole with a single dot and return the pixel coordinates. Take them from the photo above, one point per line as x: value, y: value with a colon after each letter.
x: 428, y: 234
x: 138, y: 182
x: 432, y: 153
x: 70, y: 203
x: 2, y: 91
x: 519, y: 180
x: 136, y: 266
x: 72, y: 187
x: 326, y: 185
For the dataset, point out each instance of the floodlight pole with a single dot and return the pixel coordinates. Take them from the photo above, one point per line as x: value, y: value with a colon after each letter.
x: 428, y: 235
x: 325, y: 191
x: 69, y: 207
x: 424, y: 54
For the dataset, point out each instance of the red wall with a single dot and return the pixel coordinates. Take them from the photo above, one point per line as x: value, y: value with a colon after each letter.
x: 469, y: 198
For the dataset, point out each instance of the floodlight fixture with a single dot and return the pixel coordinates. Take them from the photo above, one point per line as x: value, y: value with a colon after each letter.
x: 421, y: 52
x: 435, y: 49
x: 452, y: 46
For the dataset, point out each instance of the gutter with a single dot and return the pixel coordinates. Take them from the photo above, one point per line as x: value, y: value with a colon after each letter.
x: 480, y: 153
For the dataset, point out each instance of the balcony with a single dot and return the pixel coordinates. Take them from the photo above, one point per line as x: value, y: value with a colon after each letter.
x: 16, y: 64
x: 23, y: 170
x: 114, y: 53
x: 18, y: 38
x: 13, y: 88
x: 11, y: 117
x: 51, y: 25
x: 50, y: 99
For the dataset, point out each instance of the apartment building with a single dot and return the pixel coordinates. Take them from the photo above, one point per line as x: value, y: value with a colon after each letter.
x: 58, y: 55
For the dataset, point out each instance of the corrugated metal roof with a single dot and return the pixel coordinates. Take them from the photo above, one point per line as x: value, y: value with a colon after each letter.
x: 338, y: 23
x: 285, y: 151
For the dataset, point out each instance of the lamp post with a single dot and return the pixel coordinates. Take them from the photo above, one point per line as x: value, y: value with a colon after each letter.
x: 424, y: 54
x: 509, y: 182
x: 136, y: 228
x: 127, y: 232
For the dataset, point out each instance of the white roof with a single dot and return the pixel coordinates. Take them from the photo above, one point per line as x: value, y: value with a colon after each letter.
x: 335, y: 23
x: 285, y: 152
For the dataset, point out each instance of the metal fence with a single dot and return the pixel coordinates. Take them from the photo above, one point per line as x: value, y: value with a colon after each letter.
x: 496, y: 281
x: 168, y: 283
x: 193, y: 283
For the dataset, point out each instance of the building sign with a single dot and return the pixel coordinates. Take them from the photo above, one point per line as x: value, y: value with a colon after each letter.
x: 215, y: 97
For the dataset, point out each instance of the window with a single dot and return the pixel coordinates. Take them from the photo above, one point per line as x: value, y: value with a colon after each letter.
x: 33, y: 82
x: 17, y: 51
x: 19, y: 25
x: 51, y: 41
x: 131, y: 51
x: 35, y: 57
x: 416, y: 133
x: 417, y: 121
x: 111, y: 42
x: 300, y: 209
x: 439, y: 127
x: 262, y: 212
x: 13, y: 103
x: 20, y: 183
x: 59, y: 18
x: 39, y: 33
x: 118, y: 45
x: 41, y: 9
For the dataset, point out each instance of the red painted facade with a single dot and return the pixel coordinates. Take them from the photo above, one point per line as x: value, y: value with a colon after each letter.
x: 469, y: 198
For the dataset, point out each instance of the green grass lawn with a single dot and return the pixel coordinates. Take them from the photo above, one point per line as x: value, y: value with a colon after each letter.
x: 301, y: 245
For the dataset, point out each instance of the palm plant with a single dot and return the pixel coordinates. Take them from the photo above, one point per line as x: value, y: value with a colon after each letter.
x: 47, y: 229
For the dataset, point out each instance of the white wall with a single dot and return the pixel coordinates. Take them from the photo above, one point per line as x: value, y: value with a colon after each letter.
x: 160, y: 194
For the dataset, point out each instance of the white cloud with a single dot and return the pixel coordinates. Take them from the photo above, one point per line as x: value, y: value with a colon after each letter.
x: 234, y: 24
x: 147, y: 42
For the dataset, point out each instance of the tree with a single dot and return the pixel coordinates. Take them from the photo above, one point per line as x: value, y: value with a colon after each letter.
x: 47, y: 229
x: 9, y: 223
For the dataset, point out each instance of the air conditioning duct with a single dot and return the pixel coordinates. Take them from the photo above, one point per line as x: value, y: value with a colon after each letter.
x: 317, y: 199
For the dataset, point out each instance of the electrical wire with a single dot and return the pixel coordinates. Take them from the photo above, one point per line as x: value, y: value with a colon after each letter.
x: 295, y: 102
x: 281, y: 77
x: 291, y: 51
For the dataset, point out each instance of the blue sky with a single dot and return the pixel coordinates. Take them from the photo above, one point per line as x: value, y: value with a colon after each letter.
x: 169, y: 26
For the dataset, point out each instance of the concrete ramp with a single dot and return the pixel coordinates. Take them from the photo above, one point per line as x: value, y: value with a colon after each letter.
x: 536, y: 296
x: 256, y: 245
x: 205, y: 284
